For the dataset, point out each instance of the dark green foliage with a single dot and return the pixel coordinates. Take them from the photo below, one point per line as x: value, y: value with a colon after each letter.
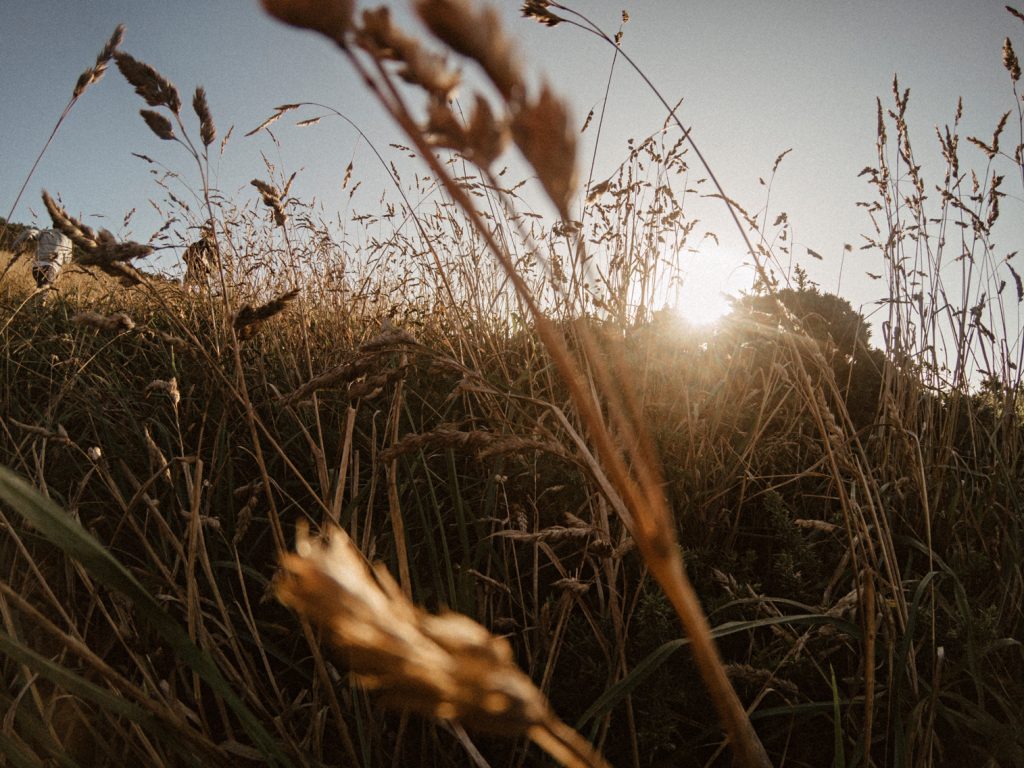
x: 842, y: 335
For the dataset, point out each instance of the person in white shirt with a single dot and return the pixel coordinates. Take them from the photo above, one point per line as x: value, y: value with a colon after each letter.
x: 53, y: 251
x: 201, y: 258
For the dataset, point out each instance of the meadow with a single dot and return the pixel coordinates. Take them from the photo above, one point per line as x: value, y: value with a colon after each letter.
x: 778, y: 540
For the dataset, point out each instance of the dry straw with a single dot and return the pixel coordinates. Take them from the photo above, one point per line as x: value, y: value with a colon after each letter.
x: 444, y: 666
x: 119, y: 321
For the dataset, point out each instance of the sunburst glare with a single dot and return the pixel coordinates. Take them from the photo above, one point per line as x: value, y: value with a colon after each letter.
x: 707, y: 288
x: 702, y: 307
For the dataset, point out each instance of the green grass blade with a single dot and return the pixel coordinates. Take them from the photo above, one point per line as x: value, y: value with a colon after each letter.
x: 71, y: 682
x: 616, y: 693
x: 839, y: 761
x: 16, y: 756
x: 72, y: 539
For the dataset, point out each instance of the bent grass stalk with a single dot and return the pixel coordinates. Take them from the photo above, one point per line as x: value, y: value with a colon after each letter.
x: 541, y: 132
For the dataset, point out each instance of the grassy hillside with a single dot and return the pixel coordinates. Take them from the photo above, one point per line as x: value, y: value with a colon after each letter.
x: 538, y: 459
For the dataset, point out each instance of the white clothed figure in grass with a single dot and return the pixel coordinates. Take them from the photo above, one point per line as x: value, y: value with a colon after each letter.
x: 53, y: 251
x: 201, y: 258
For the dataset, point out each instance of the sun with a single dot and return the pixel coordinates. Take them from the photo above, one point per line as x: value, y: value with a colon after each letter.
x: 706, y: 289
x: 702, y: 307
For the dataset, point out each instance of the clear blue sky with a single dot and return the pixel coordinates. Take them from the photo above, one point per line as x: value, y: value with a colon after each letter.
x: 756, y: 78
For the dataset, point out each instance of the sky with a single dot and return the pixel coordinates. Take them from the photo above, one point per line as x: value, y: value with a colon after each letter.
x: 755, y: 78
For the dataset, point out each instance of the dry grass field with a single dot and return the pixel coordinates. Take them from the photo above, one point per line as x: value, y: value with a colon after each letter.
x: 459, y: 496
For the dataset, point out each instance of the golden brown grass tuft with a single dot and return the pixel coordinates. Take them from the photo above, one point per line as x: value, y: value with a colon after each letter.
x: 248, y: 319
x: 444, y: 666
x: 116, y: 322
x: 154, y: 88
x: 95, y: 73
x: 207, y: 129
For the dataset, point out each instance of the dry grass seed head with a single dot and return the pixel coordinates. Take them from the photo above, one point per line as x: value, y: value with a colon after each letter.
x: 538, y: 11
x: 543, y: 133
x: 372, y: 386
x: 381, y: 39
x: 102, y: 250
x: 1010, y: 60
x: 156, y: 90
x: 158, y: 124
x: 116, y: 322
x: 482, y: 141
x: 156, y: 457
x: 58, y: 435
x: 332, y: 18
x: 248, y: 319
x: 476, y: 33
x: 169, y: 386
x: 109, y: 250
x: 168, y: 338
x: 207, y: 130
x: 484, y: 444
x: 445, y: 666
x: 95, y: 73
x: 272, y: 199
x: 486, y: 136
x: 391, y: 337
x: 80, y: 234
x: 346, y: 372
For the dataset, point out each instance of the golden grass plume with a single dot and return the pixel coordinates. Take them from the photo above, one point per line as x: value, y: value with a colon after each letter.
x: 118, y: 321
x: 95, y: 73
x: 154, y: 88
x: 444, y: 666
x: 249, y: 319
